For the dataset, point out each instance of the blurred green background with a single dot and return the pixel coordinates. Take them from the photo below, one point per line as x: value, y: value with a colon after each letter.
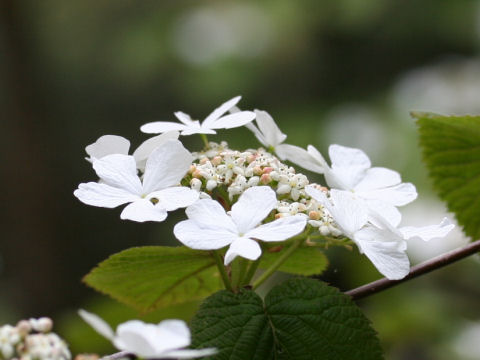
x: 345, y: 71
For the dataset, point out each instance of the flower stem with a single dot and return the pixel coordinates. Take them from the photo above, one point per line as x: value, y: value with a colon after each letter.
x: 278, y: 263
x: 252, y: 269
x: 221, y: 269
x: 239, y: 268
x: 205, y: 140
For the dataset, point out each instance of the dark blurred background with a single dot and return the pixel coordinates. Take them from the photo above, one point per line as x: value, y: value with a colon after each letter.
x: 345, y: 71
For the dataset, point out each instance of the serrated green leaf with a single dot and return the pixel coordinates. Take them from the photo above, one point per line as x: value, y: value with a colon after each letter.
x: 304, y: 261
x: 150, y: 277
x: 301, y: 319
x: 451, y: 151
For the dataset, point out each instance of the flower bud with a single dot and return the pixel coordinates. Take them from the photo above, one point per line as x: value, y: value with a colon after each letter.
x: 211, y: 184
x: 24, y: 327
x: 314, y: 215
x: 253, y: 181
x: 197, y: 173
x: 195, y: 184
x: 43, y: 324
x: 265, y: 179
x: 217, y: 160
x: 324, y: 230
x: 257, y: 170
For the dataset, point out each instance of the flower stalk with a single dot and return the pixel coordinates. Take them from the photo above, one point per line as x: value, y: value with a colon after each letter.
x: 222, y: 270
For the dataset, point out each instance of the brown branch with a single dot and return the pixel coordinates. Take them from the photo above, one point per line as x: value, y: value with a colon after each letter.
x: 417, y: 270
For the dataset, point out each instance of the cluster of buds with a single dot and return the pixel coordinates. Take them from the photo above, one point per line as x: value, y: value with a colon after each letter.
x: 32, y: 340
x: 219, y: 171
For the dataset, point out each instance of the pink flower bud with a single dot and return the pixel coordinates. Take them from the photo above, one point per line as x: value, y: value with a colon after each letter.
x: 265, y: 179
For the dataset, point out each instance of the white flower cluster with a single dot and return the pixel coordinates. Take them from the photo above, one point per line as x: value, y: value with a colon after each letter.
x: 32, y: 340
x: 221, y: 168
x: 236, y: 198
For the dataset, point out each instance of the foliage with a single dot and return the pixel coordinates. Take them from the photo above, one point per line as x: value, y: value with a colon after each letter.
x: 299, y: 319
x: 154, y: 276
x: 451, y: 150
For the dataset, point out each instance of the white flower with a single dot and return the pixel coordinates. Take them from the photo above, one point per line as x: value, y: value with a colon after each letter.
x: 149, y: 199
x: 379, y: 188
x: 209, y: 227
x: 383, y: 244
x: 213, y: 121
x: 165, y: 340
x: 114, y: 144
x: 269, y: 134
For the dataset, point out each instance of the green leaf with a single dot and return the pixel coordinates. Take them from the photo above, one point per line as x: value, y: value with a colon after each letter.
x: 451, y: 151
x: 304, y: 261
x: 301, y: 319
x: 155, y: 276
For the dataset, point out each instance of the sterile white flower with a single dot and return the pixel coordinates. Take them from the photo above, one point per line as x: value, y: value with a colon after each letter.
x: 383, y: 244
x: 114, y: 144
x: 165, y: 340
x: 210, y: 228
x: 214, y: 121
x: 380, y: 189
x: 270, y: 135
x: 150, y: 198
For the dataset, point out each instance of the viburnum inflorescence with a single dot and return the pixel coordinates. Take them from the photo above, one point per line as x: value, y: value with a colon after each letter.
x: 360, y: 207
x: 32, y: 340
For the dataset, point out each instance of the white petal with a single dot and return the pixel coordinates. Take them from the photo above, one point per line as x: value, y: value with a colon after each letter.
x: 107, y: 145
x: 385, y: 250
x: 348, y: 167
x: 427, y: 233
x: 145, y: 149
x: 232, y: 120
x: 246, y: 248
x: 349, y: 213
x: 253, y: 207
x: 119, y: 171
x: 138, y: 338
x: 189, y: 354
x: 387, y: 211
x: 196, y: 236
x: 103, y: 195
x: 97, y: 323
x: 209, y: 213
x: 175, y: 197
x: 158, y: 127
x: 143, y: 210
x: 197, y: 130
x: 378, y: 178
x: 184, y: 118
x: 222, y: 109
x: 301, y: 157
x: 279, y: 230
x: 166, y: 166
x: 250, y: 126
x: 398, y: 195
x: 172, y: 335
x: 269, y: 128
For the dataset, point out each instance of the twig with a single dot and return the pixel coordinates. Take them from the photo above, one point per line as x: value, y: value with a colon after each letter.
x: 118, y: 355
x: 417, y: 270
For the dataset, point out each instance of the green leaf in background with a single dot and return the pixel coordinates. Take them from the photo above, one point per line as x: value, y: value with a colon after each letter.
x: 155, y: 276
x: 451, y: 151
x: 301, y: 319
x: 304, y: 261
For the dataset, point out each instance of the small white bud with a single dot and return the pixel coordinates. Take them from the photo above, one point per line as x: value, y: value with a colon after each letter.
x: 195, y: 184
x: 211, y: 184
x: 43, y: 324
x: 253, y: 181
x: 324, y: 230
